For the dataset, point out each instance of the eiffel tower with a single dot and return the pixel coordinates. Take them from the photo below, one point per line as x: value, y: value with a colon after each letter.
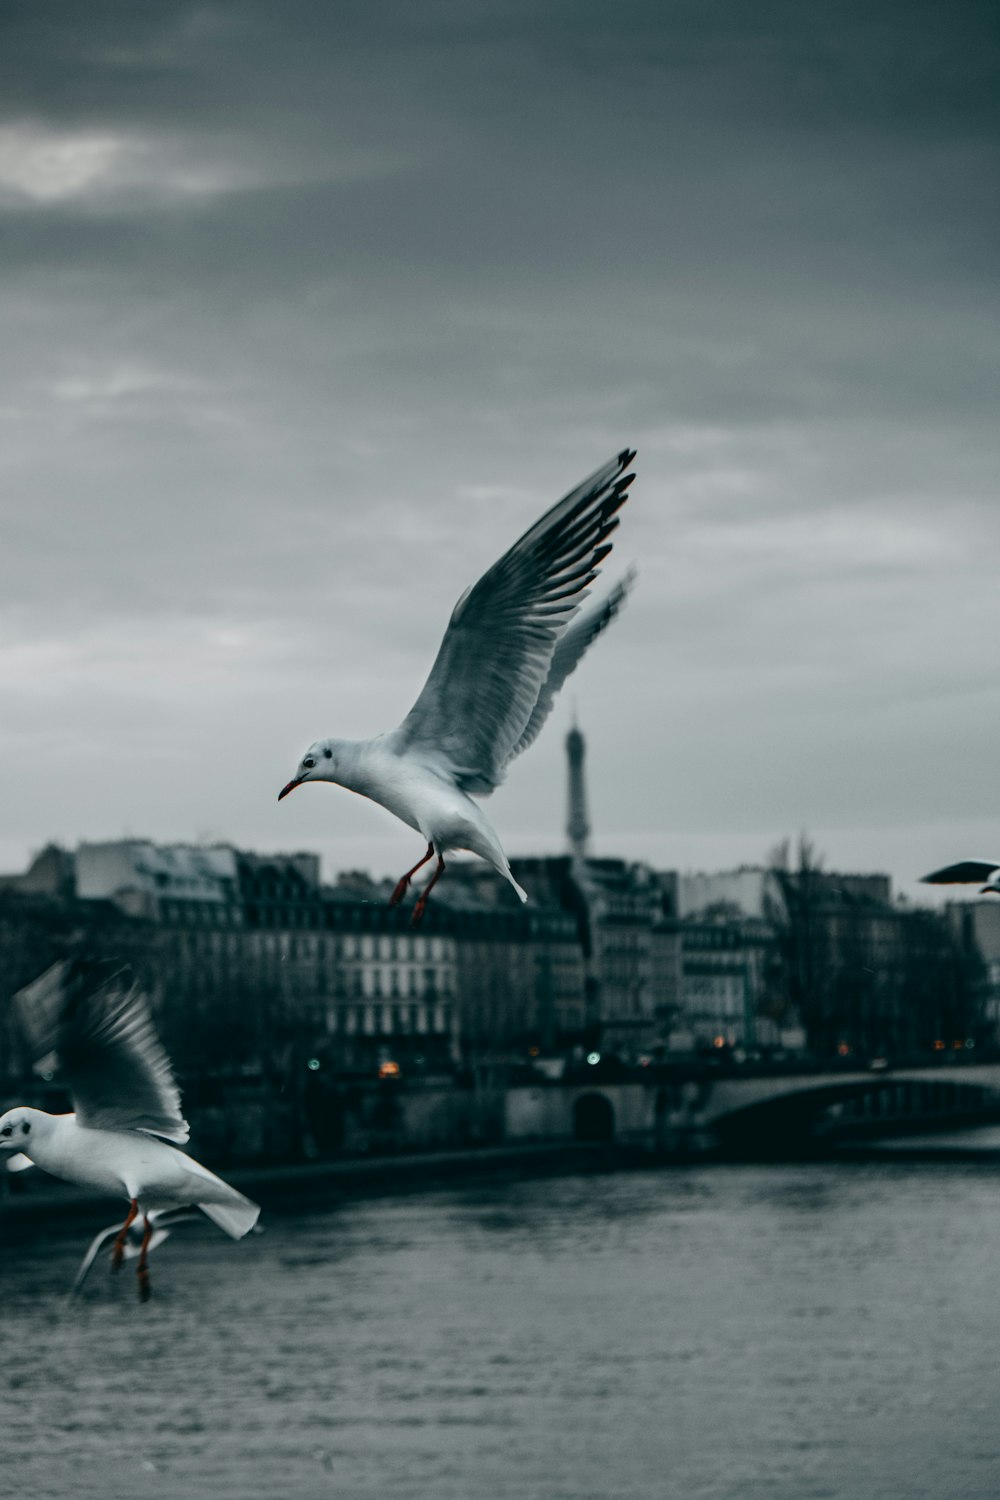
x: 577, y: 826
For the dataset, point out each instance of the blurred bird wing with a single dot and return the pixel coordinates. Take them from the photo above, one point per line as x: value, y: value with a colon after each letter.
x: 497, y: 651
x: 158, y: 1217
x: 96, y: 1020
x: 578, y: 636
x: 966, y: 872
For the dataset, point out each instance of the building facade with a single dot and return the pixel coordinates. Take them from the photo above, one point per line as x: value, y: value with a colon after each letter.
x: 255, y: 969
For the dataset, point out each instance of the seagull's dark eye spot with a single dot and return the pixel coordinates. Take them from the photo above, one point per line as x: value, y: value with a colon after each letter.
x: 25, y: 1128
x: 328, y: 753
x: 308, y: 762
x: 7, y: 1130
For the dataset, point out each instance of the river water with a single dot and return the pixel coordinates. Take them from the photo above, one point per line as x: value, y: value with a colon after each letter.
x: 717, y: 1333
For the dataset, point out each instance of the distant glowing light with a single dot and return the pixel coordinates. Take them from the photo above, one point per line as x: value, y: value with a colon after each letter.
x: 593, y: 1058
x: 939, y: 1045
x: 718, y: 1041
x: 970, y: 1041
x: 313, y: 1064
x: 843, y: 1050
x: 388, y: 1070
x: 533, y: 1051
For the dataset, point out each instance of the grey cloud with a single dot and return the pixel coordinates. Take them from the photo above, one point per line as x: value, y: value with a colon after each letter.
x: 441, y: 261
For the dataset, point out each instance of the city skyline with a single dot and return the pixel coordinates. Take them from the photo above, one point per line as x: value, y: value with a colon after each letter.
x: 307, y: 315
x: 786, y: 853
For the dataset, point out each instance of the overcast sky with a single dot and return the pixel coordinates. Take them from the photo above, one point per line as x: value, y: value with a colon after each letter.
x: 308, y: 309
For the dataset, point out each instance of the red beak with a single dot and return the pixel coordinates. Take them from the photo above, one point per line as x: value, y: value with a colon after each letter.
x: 290, y: 787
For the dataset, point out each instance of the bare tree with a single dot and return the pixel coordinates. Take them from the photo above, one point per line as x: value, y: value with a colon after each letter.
x: 862, y: 974
x: 799, y: 976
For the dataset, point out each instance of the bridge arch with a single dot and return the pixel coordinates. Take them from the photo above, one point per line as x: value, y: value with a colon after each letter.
x: 795, y: 1115
x: 593, y: 1118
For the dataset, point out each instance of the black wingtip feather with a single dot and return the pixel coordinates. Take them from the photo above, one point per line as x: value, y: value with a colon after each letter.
x: 530, y: 593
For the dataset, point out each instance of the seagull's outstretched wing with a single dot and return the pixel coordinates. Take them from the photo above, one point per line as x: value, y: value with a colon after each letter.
x: 966, y: 872
x: 95, y: 1019
x: 497, y: 652
x: 578, y: 636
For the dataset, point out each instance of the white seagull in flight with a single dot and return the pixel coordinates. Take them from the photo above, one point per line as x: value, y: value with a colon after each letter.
x: 90, y: 1014
x: 968, y: 872
x: 511, y: 643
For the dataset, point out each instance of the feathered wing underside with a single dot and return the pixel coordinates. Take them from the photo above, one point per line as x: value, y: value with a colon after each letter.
x: 497, y: 651
x: 966, y: 872
x: 96, y: 1020
x: 577, y: 638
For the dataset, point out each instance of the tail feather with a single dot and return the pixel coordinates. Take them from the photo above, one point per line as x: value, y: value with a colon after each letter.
x: 237, y: 1218
x: 499, y: 862
x: 223, y: 1204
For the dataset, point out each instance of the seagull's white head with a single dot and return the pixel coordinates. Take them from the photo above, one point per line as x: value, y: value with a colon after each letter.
x: 19, y: 1127
x: 318, y: 764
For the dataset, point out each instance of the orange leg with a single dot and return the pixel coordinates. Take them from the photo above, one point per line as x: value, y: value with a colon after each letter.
x: 142, y: 1270
x: 421, y: 906
x: 118, y: 1252
x: 403, y: 883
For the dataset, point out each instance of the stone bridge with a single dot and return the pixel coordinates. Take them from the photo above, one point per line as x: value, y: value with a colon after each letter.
x: 864, y: 1102
x: 733, y: 1109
